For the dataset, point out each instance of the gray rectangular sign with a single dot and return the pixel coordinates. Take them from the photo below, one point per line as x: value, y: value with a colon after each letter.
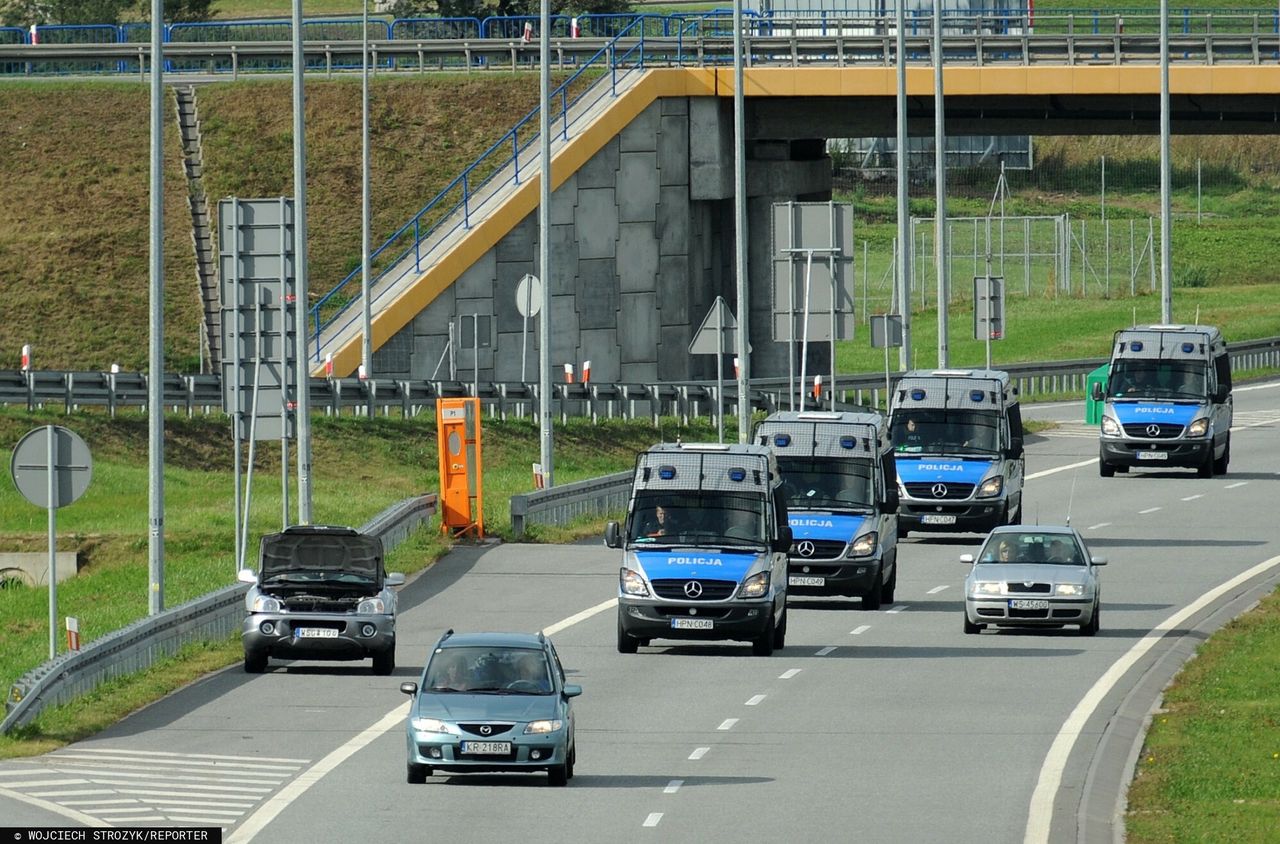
x: 813, y: 242
x: 886, y: 331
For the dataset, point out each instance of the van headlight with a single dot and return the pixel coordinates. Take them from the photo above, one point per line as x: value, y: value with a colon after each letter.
x: 991, y: 487
x: 865, y: 545
x: 755, y: 586
x: 1198, y: 428
x: 371, y: 606
x: 633, y: 584
x: 265, y: 603
x: 1110, y: 427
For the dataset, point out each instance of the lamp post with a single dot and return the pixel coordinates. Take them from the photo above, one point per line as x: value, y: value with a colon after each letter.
x: 544, y: 247
x: 1166, y: 211
x: 904, y: 222
x: 301, y: 311
x: 366, y: 346
x: 740, y: 228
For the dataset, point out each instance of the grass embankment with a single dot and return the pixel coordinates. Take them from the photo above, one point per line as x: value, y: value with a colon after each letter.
x: 359, y: 467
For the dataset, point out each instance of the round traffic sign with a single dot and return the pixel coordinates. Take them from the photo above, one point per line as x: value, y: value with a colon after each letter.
x: 529, y: 296
x: 72, y: 466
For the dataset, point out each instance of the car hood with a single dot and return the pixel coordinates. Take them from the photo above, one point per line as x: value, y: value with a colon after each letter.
x: 1030, y: 573
x: 455, y: 706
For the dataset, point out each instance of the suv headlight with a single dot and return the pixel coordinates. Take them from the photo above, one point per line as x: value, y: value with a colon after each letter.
x: 541, y: 727
x: 1198, y: 428
x: 265, y: 603
x: 865, y: 545
x: 988, y: 588
x: 371, y: 606
x: 1110, y: 427
x: 755, y: 586
x: 633, y: 584
x: 430, y: 725
x: 1069, y: 589
x: 991, y: 487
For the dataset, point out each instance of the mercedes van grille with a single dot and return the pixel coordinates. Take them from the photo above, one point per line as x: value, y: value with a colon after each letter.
x: 685, y: 590
x: 950, y: 491
x: 1152, y: 431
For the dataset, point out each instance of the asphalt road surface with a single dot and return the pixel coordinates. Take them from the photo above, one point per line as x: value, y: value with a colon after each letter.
x: 871, y: 726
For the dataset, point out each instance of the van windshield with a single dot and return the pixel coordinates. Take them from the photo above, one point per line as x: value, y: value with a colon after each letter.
x: 946, y: 432
x: 1158, y: 379
x: 824, y: 483
x: 666, y: 517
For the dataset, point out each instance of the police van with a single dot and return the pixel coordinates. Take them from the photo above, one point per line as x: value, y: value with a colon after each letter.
x: 841, y: 487
x: 1167, y: 400
x: 704, y: 548
x: 957, y: 436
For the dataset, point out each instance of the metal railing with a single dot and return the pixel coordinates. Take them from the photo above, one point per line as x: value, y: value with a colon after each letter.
x: 138, y: 646
x: 562, y: 504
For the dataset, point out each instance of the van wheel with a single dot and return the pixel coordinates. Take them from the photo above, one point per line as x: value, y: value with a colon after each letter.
x: 1220, y: 465
x: 1205, y: 469
x: 254, y: 663
x: 764, y: 645
x: 1105, y: 469
x: 1013, y: 517
x: 626, y: 644
x: 871, y: 600
x: 780, y: 633
x: 902, y: 530
x: 384, y: 662
x: 886, y: 591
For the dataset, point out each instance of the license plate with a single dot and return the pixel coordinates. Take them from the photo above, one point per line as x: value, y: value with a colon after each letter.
x: 1025, y: 604
x: 316, y: 633
x: 938, y: 519
x: 486, y: 748
x: 1153, y: 455
x: 798, y: 580
x: 692, y: 623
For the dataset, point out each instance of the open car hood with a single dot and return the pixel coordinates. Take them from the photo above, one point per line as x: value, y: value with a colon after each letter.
x: 321, y: 555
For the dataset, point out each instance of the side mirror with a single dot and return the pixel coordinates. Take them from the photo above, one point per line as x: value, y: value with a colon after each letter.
x: 1222, y: 393
x: 572, y: 690
x: 613, y: 535
x: 890, y: 498
x: 1098, y: 561
x: 1095, y: 392
x: 409, y: 688
x: 394, y: 578
x: 784, y: 540
x: 1014, y: 451
x: 967, y: 559
x: 247, y: 576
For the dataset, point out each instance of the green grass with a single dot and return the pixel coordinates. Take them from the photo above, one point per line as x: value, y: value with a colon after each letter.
x: 1210, y: 768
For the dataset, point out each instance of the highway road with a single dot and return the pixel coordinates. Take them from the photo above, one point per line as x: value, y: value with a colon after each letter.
x: 885, y: 726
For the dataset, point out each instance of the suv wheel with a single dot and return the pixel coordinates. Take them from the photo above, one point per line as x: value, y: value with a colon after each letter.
x: 764, y: 645
x: 416, y: 774
x: 626, y: 644
x: 384, y: 662
x: 254, y: 663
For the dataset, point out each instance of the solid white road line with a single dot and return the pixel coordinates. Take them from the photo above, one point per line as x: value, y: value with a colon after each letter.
x: 897, y: 609
x: 698, y: 753
x: 48, y: 806
x: 1103, y: 524
x: 828, y: 649
x: 1148, y: 510
x: 1194, y: 497
x: 1056, y: 469
x: 727, y: 724
x: 788, y: 674
x: 673, y: 787
x: 582, y: 616
x: 935, y: 590
x: 754, y: 700
x: 653, y: 819
x: 858, y: 631
x: 1050, y: 779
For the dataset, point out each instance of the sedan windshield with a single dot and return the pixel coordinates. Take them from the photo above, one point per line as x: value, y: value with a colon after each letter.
x: 488, y: 670
x: 1051, y: 548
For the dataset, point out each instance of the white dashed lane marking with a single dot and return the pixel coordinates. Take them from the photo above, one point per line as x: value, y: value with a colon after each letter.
x: 673, y: 787
x: 1103, y: 524
x: 828, y: 649
x: 755, y: 700
x: 653, y: 819
x: 699, y: 752
x: 727, y: 724
x: 1236, y: 484
x: 1194, y: 497
x: 788, y: 674
x: 935, y: 590
x: 899, y: 608
x: 858, y: 631
x: 1148, y: 510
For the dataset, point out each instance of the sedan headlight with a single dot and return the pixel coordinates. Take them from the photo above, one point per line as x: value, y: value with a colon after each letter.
x: 265, y: 603
x: 431, y: 725
x: 1110, y: 427
x: 371, y: 606
x: 540, y: 727
x: 865, y: 544
x: 755, y: 586
x: 633, y: 584
x: 1198, y: 428
x: 991, y: 487
x: 1069, y: 589
x: 988, y: 588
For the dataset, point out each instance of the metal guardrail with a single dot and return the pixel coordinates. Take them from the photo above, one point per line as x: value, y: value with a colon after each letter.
x: 562, y: 504
x: 139, y: 645
x: 601, y: 400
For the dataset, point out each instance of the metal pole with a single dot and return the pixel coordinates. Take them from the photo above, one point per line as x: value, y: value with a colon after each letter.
x: 904, y: 235
x: 1166, y: 212
x: 719, y: 372
x: 791, y: 308
x: 740, y: 227
x: 544, y: 243
x: 831, y: 267
x: 51, y: 505
x: 301, y: 309
x: 1199, y: 195
x: 866, y: 291
x: 475, y: 355
x: 804, y: 330
x: 940, y: 186
x: 155, y: 397
x: 236, y: 364
x: 284, y: 368
x: 253, y: 423
x: 1133, y: 270
x: 366, y: 342
x: 1104, y: 188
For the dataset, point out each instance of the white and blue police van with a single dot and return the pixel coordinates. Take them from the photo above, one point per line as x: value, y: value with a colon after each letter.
x: 1167, y: 400
x: 841, y: 487
x: 704, y: 548
x: 957, y: 436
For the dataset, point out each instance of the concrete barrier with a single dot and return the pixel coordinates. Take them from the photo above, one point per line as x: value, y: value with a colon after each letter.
x: 138, y: 646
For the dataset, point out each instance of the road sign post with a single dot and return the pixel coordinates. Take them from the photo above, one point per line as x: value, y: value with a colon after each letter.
x: 718, y: 335
x: 51, y: 467
x: 886, y: 333
x: 988, y: 310
x: 528, y: 303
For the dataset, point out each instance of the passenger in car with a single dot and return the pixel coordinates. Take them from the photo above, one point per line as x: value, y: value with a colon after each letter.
x: 1061, y: 552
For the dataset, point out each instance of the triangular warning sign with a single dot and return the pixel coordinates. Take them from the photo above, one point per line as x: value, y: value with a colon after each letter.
x: 719, y: 320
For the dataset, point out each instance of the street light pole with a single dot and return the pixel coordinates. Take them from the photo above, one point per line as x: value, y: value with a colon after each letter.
x: 155, y: 385
x: 740, y: 228
x: 1166, y: 211
x: 366, y: 345
x: 904, y: 231
x: 544, y: 247
x: 940, y: 183
x: 301, y: 310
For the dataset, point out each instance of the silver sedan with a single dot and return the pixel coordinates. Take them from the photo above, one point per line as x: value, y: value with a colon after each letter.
x: 1038, y: 576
